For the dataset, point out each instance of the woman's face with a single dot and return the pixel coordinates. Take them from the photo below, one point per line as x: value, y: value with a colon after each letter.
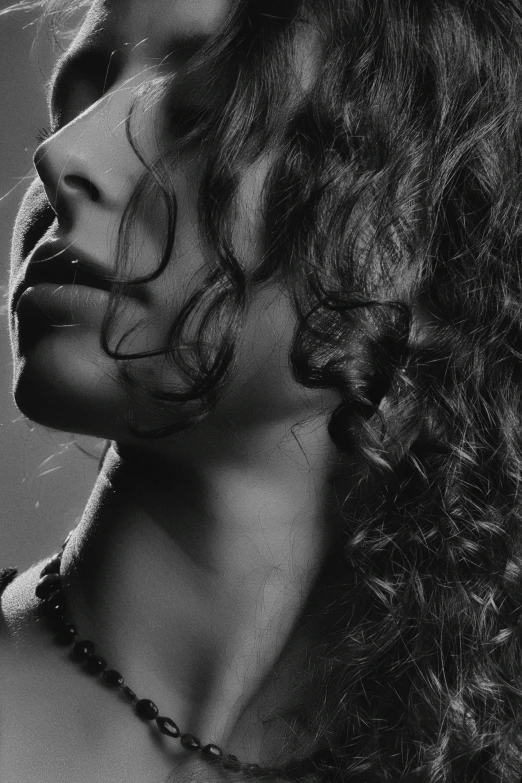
x: 87, y: 172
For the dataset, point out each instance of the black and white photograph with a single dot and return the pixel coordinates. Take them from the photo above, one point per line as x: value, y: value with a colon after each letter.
x: 261, y: 391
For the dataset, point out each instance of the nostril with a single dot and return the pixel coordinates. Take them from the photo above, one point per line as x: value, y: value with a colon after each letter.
x: 82, y: 185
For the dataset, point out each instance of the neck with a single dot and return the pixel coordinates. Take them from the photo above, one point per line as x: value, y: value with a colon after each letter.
x: 191, y: 568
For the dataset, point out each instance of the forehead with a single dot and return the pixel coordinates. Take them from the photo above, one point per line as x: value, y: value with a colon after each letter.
x: 153, y: 24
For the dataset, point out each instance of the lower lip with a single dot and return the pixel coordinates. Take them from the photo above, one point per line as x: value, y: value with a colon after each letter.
x: 60, y: 294
x: 63, y: 303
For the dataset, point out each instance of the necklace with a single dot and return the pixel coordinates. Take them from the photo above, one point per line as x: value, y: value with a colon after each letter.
x: 49, y: 593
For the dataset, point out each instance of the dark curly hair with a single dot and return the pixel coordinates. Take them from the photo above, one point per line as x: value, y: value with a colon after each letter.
x: 393, y: 216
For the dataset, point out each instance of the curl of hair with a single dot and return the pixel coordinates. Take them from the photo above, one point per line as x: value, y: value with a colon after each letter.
x: 394, y: 217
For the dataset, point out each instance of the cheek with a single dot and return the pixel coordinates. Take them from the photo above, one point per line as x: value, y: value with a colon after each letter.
x: 184, y: 276
x: 193, y: 256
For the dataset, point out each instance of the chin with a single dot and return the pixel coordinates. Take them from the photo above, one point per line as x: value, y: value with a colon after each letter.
x: 63, y: 383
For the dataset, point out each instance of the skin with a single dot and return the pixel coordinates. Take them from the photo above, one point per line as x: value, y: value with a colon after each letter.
x: 197, y: 553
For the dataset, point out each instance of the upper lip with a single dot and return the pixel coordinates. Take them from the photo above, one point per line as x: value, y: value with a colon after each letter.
x: 54, y: 263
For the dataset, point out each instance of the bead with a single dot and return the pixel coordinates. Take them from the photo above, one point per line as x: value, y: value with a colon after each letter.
x: 232, y: 762
x: 146, y: 709
x: 66, y: 634
x: 47, y: 585
x: 190, y: 742
x: 83, y: 649
x: 52, y: 567
x: 212, y: 752
x: 55, y: 599
x: 95, y: 664
x: 129, y: 693
x: 112, y: 678
x: 53, y: 611
x: 167, y: 727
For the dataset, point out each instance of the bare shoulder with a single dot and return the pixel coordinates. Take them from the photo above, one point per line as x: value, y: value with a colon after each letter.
x: 6, y: 576
x: 54, y: 722
x: 17, y: 603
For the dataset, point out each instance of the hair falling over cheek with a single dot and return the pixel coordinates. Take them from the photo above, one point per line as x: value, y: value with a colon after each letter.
x: 394, y: 219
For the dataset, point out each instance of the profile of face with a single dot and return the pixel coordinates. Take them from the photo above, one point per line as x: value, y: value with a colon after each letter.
x: 66, y: 235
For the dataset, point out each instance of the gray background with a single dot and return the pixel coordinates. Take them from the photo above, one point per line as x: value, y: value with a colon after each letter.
x: 44, y: 478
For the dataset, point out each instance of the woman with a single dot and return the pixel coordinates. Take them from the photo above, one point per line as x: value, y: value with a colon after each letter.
x: 272, y: 254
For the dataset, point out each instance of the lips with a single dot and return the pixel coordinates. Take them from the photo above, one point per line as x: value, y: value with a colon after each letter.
x: 51, y: 263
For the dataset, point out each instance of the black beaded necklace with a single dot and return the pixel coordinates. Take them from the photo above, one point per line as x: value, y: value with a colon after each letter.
x: 49, y: 592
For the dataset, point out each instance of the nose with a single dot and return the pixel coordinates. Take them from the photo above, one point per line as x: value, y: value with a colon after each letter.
x: 90, y: 164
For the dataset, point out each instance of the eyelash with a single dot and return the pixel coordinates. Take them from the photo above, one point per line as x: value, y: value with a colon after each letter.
x: 44, y: 133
